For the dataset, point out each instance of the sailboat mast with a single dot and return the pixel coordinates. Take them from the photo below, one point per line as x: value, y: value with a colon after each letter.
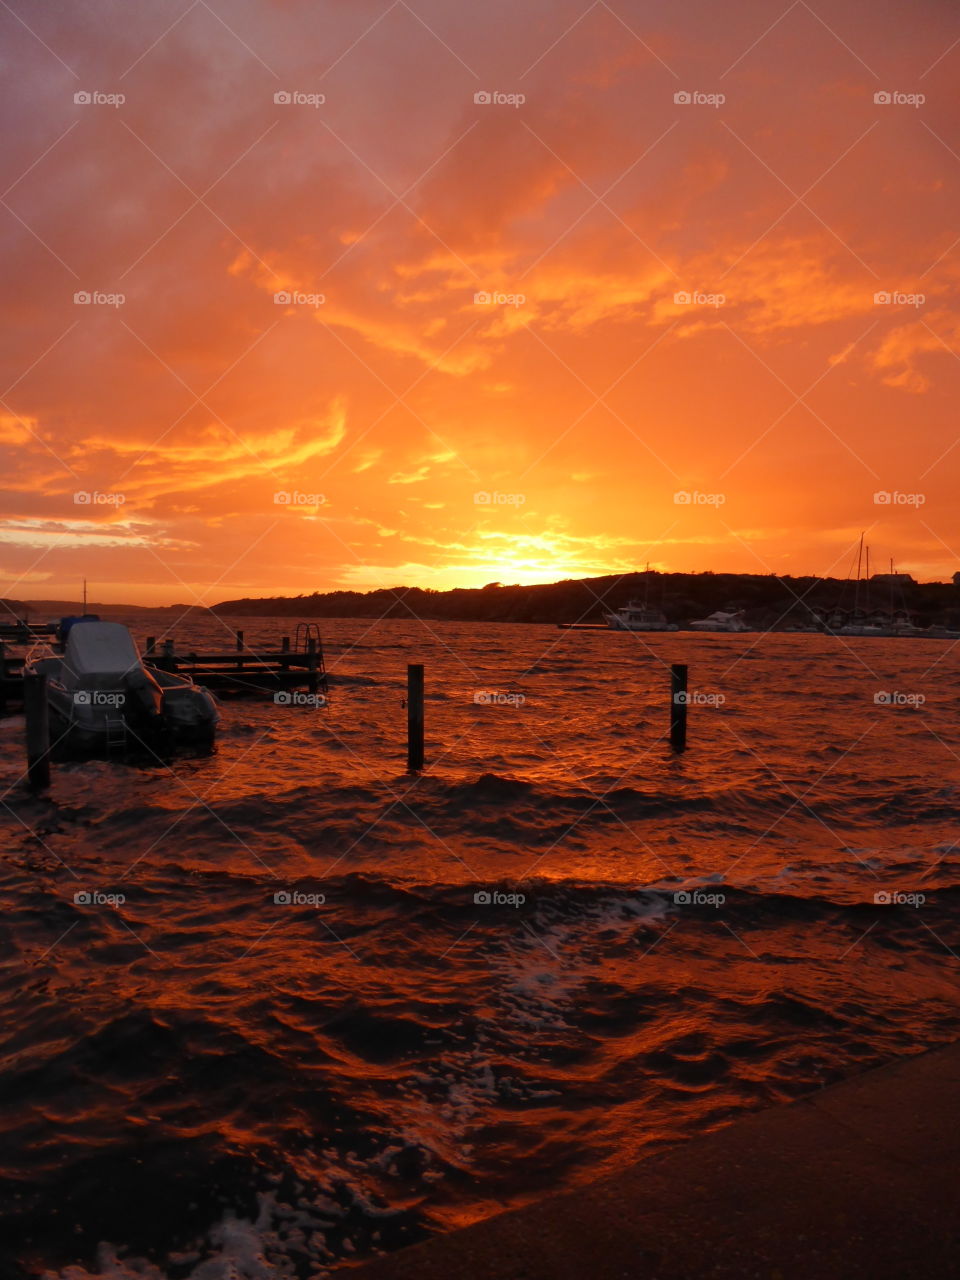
x: 856, y: 594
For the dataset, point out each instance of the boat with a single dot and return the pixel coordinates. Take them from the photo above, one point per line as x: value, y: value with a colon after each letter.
x: 721, y: 621
x: 101, y: 696
x: 867, y: 620
x: 638, y: 616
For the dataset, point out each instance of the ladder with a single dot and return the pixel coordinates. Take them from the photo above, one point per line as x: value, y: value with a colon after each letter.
x: 116, y: 736
x: 307, y: 631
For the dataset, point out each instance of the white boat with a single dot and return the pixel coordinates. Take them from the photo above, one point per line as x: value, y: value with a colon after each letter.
x: 637, y: 616
x: 864, y: 629
x: 101, y: 696
x: 721, y: 621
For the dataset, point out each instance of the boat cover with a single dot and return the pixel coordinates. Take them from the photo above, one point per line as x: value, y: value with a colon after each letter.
x: 99, y: 655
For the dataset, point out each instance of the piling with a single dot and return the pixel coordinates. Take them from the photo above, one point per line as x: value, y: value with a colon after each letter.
x: 151, y: 645
x: 414, y: 717
x: 3, y: 678
x: 285, y: 648
x: 38, y: 730
x: 678, y: 706
x: 239, y: 649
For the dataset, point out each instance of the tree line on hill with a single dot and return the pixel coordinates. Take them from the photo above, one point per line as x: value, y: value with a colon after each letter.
x: 768, y: 600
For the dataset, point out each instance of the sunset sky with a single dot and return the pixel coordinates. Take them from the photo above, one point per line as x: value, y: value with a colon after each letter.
x: 581, y: 196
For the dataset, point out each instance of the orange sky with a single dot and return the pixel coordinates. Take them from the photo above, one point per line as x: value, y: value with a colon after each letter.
x: 582, y: 400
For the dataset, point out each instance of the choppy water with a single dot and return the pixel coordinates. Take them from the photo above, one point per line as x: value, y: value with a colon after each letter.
x: 231, y: 1083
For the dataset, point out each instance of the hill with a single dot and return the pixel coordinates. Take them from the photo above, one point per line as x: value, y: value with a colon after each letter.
x: 769, y: 600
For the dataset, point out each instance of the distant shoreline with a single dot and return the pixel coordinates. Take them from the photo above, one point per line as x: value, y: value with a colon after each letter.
x: 768, y: 600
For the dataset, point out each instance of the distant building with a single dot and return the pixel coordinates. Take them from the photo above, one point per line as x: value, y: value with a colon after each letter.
x: 901, y: 579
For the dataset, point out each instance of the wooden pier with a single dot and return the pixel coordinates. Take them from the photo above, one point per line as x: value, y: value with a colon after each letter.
x: 20, y: 631
x: 248, y: 671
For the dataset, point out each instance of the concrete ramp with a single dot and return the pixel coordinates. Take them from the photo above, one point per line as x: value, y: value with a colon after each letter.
x: 856, y: 1182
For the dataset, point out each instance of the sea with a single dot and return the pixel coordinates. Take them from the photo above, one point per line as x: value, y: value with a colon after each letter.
x: 271, y: 1010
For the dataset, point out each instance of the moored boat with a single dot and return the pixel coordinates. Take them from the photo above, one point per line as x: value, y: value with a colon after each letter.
x: 638, y: 616
x: 721, y: 621
x: 101, y: 696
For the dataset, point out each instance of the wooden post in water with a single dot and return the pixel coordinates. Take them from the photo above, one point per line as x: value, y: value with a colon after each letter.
x: 414, y: 717
x: 151, y: 645
x: 312, y: 664
x: 38, y: 729
x: 678, y: 706
x: 239, y: 650
x: 285, y: 648
x: 3, y: 677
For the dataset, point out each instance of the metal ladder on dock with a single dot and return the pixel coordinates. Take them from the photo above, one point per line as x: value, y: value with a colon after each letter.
x: 307, y: 641
x: 307, y: 631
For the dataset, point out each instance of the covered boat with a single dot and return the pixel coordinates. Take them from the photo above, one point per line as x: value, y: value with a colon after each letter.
x: 101, y: 696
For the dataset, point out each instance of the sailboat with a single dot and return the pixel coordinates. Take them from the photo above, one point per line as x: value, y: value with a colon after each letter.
x: 865, y: 621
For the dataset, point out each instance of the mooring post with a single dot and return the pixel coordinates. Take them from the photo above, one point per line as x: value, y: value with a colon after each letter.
x: 285, y: 648
x: 678, y: 706
x: 312, y: 664
x: 414, y: 717
x: 3, y: 677
x: 38, y: 729
x: 151, y: 645
x: 239, y: 650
